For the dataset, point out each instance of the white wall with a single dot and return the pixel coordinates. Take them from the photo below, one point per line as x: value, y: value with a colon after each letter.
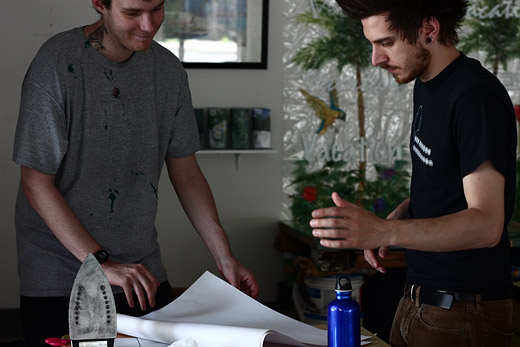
x: 248, y: 199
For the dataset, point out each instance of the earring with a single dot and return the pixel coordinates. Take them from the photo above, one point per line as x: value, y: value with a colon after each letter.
x: 429, y: 39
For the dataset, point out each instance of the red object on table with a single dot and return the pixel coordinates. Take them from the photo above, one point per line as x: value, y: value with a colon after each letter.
x: 55, y: 341
x: 517, y: 112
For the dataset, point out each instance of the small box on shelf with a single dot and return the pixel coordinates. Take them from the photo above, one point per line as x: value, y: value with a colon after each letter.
x: 241, y: 128
x: 218, y: 123
x: 234, y: 129
x: 261, y: 128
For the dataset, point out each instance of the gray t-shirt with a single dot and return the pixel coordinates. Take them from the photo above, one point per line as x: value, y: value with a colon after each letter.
x: 104, y: 130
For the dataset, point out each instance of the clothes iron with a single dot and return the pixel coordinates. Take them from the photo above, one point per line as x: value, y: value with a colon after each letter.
x: 92, y: 309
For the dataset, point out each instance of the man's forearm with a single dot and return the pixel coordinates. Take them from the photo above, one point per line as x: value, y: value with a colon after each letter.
x: 468, y: 229
x: 200, y: 208
x: 197, y: 201
x: 47, y: 201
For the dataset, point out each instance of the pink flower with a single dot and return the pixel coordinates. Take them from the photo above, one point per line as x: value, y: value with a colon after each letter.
x: 310, y: 194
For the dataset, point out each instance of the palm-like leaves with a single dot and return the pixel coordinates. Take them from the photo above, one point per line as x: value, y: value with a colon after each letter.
x: 499, y: 37
x: 345, y: 44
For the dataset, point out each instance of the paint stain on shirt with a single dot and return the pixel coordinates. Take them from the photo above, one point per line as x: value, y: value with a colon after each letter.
x: 106, y: 119
x: 155, y: 191
x: 108, y: 74
x: 113, y: 197
x: 71, y: 68
x: 116, y: 93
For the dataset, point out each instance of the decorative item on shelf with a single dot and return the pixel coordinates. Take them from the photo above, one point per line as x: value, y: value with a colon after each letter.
x: 261, y: 128
x: 218, y: 127
x: 314, y: 189
x: 202, y: 124
x: 241, y: 128
x: 234, y: 129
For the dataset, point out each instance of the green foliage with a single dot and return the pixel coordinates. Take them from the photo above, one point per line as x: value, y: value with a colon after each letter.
x: 313, y: 190
x: 345, y: 43
x: 499, y: 36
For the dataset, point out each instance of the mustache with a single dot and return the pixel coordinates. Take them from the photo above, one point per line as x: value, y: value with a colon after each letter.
x: 386, y: 66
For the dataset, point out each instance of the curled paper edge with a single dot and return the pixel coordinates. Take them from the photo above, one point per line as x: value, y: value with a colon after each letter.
x: 189, y: 342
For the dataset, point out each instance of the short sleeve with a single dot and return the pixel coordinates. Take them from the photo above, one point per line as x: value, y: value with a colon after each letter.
x: 41, y: 132
x: 484, y: 129
x: 184, y: 139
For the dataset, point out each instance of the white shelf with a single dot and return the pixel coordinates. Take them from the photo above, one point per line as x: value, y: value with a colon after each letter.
x: 237, y: 153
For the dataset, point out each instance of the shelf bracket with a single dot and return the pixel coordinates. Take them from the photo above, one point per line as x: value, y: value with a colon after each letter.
x: 237, y: 161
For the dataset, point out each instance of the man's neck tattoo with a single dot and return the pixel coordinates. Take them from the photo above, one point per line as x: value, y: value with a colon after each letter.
x: 96, y: 38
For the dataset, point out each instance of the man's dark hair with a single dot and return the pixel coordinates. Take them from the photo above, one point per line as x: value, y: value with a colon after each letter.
x: 406, y: 16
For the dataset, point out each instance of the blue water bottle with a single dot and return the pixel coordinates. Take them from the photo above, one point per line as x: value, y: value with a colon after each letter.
x: 344, y: 328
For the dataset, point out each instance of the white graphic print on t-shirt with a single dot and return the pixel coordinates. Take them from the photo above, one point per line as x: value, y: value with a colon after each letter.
x: 419, y: 148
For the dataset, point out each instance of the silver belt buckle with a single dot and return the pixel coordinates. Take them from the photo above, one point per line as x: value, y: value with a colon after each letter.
x: 411, y: 293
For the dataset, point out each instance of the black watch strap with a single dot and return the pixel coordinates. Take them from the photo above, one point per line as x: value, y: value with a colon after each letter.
x: 101, y: 256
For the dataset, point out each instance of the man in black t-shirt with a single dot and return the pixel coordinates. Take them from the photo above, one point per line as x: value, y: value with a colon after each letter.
x: 463, y: 150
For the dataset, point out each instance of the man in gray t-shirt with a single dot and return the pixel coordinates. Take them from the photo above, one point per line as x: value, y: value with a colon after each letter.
x: 103, y: 107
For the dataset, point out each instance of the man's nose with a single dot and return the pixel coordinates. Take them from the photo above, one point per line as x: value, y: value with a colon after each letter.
x: 147, y: 24
x: 378, y: 57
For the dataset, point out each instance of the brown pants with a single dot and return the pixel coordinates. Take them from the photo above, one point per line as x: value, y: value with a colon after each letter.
x: 480, y: 323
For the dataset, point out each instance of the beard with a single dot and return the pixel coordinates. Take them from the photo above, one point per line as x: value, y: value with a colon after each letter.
x: 413, y: 66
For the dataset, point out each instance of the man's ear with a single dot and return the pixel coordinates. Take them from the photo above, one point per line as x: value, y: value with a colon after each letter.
x: 98, y: 5
x: 430, y: 30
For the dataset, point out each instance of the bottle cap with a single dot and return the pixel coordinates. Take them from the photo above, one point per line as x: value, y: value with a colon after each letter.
x: 343, y: 284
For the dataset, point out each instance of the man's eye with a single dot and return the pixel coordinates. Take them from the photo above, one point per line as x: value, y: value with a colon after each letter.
x: 132, y: 14
x: 387, y: 43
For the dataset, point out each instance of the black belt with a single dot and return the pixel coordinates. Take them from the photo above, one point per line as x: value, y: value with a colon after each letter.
x: 444, y: 299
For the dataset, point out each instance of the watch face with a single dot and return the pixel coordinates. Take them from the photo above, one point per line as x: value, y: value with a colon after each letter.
x: 101, y: 256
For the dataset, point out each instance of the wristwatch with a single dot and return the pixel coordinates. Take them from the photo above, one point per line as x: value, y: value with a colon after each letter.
x: 101, y: 256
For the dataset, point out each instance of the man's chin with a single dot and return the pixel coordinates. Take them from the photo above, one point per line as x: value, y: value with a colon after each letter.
x: 399, y: 78
x: 402, y: 79
x: 141, y: 46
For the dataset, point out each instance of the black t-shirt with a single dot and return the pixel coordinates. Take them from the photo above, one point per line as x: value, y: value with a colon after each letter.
x: 462, y: 117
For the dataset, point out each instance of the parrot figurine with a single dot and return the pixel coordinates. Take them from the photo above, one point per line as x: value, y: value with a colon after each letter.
x: 327, y: 114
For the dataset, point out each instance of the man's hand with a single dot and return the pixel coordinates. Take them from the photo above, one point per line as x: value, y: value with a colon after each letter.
x: 348, y: 226
x: 371, y: 255
x: 239, y: 277
x: 132, y: 277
